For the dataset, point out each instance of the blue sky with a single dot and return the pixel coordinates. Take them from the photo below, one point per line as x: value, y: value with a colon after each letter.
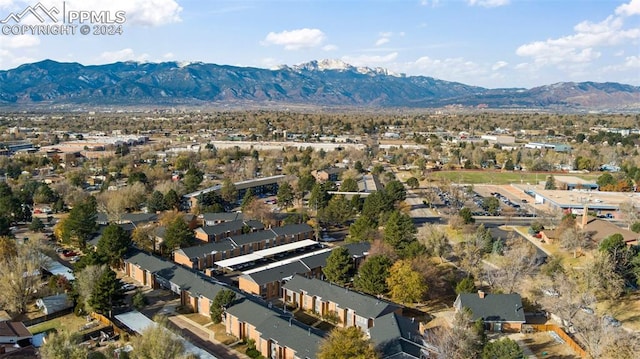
x: 490, y: 43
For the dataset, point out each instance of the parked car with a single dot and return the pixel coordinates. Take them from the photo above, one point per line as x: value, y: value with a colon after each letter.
x: 128, y: 287
x: 68, y: 253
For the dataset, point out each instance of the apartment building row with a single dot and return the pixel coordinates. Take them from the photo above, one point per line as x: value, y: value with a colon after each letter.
x: 276, y: 333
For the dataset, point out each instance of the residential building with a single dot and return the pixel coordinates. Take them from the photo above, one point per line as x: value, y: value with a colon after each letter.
x: 500, y: 312
x: 267, y: 281
x: 276, y: 334
x: 328, y: 174
x: 350, y: 308
x: 217, y: 232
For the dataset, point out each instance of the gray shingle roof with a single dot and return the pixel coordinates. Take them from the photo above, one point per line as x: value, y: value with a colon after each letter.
x: 194, y: 282
x: 394, y: 335
x: 359, y: 249
x: 221, y: 228
x: 275, y: 325
x: 211, y: 247
x: 253, y: 237
x: 278, y: 273
x: 362, y: 304
x: 292, y: 229
x: 222, y: 216
x: 493, y: 307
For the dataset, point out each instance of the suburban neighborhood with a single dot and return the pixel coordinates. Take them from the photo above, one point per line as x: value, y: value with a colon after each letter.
x: 259, y: 235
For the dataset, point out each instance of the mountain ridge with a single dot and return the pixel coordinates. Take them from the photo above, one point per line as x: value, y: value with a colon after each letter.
x: 331, y: 83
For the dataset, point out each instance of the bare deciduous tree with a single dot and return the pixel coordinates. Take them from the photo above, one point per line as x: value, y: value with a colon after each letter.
x: 21, y: 276
x: 519, y: 262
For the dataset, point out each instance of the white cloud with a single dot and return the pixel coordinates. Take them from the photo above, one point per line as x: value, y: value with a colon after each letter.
x: 631, y: 63
x: 296, y: 39
x: 168, y: 56
x: 580, y: 46
x: 499, y: 65
x: 488, y: 3
x: 329, y: 47
x: 383, y: 40
x: 432, y: 3
x: 122, y: 55
x: 370, y: 60
x: 18, y: 41
x: 632, y: 8
x: 450, y: 68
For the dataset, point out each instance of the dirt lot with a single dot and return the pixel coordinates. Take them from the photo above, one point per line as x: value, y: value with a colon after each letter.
x: 543, y: 345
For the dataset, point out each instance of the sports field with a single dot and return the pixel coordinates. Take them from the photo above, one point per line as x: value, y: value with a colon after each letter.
x: 497, y: 177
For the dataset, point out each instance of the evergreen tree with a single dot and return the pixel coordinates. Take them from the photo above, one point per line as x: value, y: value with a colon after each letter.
x: 504, y: 348
x: 36, y: 225
x: 113, y: 244
x: 372, y: 275
x: 172, y: 200
x: 395, y: 191
x: 80, y: 225
x: 338, y: 266
x: 349, y: 185
x: 177, y: 234
x: 363, y: 229
x: 108, y: 293
x: 285, y: 195
x: 220, y: 302
x: 192, y: 179
x: 551, y: 183
x: 228, y: 191
x: 247, y: 199
x: 156, y: 202
x: 399, y: 231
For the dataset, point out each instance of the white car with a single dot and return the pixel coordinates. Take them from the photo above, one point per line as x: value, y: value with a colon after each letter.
x: 128, y: 287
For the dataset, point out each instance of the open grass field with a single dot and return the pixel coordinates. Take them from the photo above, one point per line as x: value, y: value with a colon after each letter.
x: 495, y: 177
x: 68, y: 323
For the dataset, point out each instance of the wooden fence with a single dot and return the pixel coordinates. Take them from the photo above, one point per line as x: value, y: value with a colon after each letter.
x: 564, y: 336
x: 106, y: 321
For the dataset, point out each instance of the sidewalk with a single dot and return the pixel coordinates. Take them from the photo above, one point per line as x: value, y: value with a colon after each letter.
x: 199, y: 335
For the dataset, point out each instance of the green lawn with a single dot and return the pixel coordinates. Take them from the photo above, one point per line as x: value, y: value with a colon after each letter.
x: 495, y: 177
x: 69, y: 323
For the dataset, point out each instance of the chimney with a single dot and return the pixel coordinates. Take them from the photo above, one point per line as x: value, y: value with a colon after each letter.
x: 585, y: 210
x: 481, y: 294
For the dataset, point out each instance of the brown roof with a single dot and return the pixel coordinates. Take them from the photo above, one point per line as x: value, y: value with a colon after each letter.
x: 14, y: 329
x: 602, y: 229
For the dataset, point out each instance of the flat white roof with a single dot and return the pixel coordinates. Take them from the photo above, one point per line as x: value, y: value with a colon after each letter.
x: 227, y: 263
x: 287, y: 261
x: 257, y: 255
x: 138, y: 322
x: 135, y: 321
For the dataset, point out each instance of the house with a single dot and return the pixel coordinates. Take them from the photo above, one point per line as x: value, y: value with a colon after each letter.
x: 398, y: 337
x: 276, y: 333
x: 598, y: 229
x: 500, y: 312
x: 15, y: 333
x: 349, y: 308
x: 328, y: 174
x: 54, y: 303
